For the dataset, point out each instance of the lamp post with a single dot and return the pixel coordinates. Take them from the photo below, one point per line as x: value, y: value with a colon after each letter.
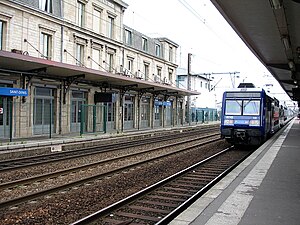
x: 189, y: 88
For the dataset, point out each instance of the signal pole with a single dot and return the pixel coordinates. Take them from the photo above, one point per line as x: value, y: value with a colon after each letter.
x: 189, y: 88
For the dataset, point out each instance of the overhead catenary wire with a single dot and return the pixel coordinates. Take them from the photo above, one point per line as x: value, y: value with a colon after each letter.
x: 192, y: 10
x: 212, y: 30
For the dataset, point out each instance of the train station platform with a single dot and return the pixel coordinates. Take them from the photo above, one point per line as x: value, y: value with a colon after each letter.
x: 25, y: 147
x: 264, y: 189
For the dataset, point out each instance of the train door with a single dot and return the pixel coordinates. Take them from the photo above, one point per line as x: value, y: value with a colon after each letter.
x: 275, y: 115
x: 5, y: 116
x: 43, y: 111
x: 78, y: 99
x: 268, y: 121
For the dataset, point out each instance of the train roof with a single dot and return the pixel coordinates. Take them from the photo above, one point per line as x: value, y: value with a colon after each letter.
x: 246, y: 90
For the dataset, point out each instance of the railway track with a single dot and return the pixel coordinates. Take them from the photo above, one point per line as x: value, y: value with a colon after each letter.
x: 185, y: 146
x: 163, y: 201
x: 24, y: 162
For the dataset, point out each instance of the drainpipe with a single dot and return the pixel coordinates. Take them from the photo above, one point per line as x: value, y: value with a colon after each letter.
x: 61, y: 60
x: 61, y: 31
x: 60, y: 108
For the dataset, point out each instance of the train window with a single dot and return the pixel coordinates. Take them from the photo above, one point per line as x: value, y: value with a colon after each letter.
x: 233, y: 107
x: 251, y: 107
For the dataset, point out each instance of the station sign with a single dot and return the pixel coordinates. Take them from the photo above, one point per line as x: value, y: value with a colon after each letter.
x: 158, y: 103
x: 13, y: 91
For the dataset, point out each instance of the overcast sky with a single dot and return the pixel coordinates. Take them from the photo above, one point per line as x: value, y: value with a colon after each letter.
x: 198, y: 28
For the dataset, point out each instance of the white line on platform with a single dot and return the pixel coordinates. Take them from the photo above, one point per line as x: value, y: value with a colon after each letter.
x: 232, y: 210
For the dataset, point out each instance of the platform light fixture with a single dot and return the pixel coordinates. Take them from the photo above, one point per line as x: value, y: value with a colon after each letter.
x: 286, y: 43
x: 292, y: 65
x: 293, y: 75
x: 298, y: 52
x: 4, y: 74
x: 82, y: 84
x: 48, y: 79
x: 276, y: 4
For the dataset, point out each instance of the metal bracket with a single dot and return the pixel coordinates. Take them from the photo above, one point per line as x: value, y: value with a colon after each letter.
x: 38, y: 70
x: 143, y: 91
x: 25, y: 84
x: 124, y: 89
x: 67, y: 84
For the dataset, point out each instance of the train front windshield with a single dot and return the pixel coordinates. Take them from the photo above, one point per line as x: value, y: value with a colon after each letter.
x: 245, y: 107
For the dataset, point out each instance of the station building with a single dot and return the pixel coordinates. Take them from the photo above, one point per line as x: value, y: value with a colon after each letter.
x: 203, y: 106
x: 71, y: 66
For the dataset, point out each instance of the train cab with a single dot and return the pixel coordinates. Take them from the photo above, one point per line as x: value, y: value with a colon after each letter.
x: 249, y: 116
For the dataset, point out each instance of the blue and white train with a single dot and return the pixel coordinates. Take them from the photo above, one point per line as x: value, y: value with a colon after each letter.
x: 249, y: 115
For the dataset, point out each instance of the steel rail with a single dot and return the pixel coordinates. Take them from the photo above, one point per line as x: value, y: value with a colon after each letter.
x: 110, y: 209
x: 35, y: 195
x: 65, y: 155
x: 78, y: 168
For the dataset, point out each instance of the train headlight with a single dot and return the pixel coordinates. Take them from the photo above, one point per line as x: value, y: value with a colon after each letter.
x: 254, y: 122
x: 228, y: 122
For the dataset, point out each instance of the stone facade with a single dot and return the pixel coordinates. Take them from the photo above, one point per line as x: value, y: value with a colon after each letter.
x: 87, y: 33
x: 161, y: 60
x: 24, y: 20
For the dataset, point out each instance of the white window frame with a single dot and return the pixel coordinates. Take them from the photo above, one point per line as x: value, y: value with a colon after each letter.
x: 96, y: 62
x: 2, y: 34
x: 79, y: 54
x: 97, y: 20
x: 110, y: 61
x: 146, y: 70
x: 159, y: 71
x: 130, y: 64
x: 170, y: 53
x: 80, y: 13
x: 128, y: 37
x: 46, y: 5
x: 5, y: 19
x: 145, y: 44
x: 46, y: 45
x: 171, y: 74
x: 110, y: 26
x: 158, y: 50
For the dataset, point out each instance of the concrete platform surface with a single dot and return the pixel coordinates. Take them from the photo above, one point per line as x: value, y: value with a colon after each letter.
x: 263, y: 190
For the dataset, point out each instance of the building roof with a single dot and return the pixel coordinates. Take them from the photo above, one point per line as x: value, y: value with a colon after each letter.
x: 164, y: 39
x: 195, y: 75
x: 13, y: 63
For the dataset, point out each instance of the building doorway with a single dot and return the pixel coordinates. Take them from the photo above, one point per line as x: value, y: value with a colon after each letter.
x: 129, y: 112
x: 5, y: 113
x: 78, y: 99
x: 43, y: 116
